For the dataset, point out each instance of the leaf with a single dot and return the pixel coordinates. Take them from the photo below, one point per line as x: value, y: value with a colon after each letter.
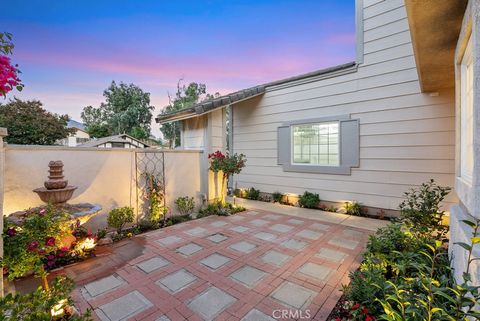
x: 469, y: 223
x: 464, y: 245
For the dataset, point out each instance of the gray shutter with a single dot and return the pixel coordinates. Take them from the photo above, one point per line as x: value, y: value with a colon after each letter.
x: 283, y: 145
x: 350, y: 143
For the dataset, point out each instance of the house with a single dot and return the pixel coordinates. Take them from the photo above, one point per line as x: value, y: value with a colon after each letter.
x: 79, y: 137
x: 407, y: 110
x: 116, y: 141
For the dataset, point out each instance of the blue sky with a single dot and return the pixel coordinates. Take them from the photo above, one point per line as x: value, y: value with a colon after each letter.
x: 69, y: 51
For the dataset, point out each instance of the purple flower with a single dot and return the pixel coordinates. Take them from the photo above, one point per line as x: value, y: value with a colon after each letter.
x: 42, y: 212
x: 50, y: 263
x: 32, y: 246
x: 50, y: 241
x: 11, y: 231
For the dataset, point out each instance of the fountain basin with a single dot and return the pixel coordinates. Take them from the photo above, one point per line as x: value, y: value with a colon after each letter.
x: 55, y: 196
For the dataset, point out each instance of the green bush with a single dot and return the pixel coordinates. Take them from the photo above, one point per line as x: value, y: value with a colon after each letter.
x: 119, y: 217
x: 185, y: 205
x: 309, y: 200
x: 353, y: 208
x: 277, y: 197
x: 253, y: 194
x: 178, y: 219
x: 388, y: 239
x: 217, y: 208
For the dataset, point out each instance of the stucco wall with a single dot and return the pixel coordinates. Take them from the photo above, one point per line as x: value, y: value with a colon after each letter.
x: 406, y: 136
x: 103, y: 176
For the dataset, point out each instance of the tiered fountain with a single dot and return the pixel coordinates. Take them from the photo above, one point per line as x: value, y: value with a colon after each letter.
x: 56, y: 190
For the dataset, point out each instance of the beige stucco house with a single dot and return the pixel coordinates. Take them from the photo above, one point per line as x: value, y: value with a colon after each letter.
x: 80, y: 135
x: 405, y: 111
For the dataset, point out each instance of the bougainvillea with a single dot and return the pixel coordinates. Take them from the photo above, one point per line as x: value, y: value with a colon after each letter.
x: 227, y: 164
x: 8, y: 76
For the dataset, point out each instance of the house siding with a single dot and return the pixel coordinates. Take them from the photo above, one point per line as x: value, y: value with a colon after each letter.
x: 406, y: 137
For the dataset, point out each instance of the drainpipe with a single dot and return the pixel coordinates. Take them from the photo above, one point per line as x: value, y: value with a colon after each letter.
x: 3, y: 133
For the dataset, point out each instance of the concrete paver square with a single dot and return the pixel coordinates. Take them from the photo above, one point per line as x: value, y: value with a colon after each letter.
x: 265, y: 236
x: 252, y: 213
x: 217, y: 238
x: 341, y: 242
x: 169, y: 240
x: 320, y: 226
x: 103, y: 285
x: 309, y: 234
x: 331, y: 255
x: 294, y: 244
x: 163, y: 318
x: 352, y: 233
x: 272, y: 217
x: 248, y: 276
x: 242, y: 246
x: 293, y: 295
x: 295, y: 221
x: 281, y: 228
x: 255, y: 315
x: 123, y: 307
x: 218, y: 224
x: 240, y: 229
x: 152, y: 264
x: 177, y: 281
x: 215, y: 261
x: 189, y: 249
x: 315, y: 271
x: 259, y: 222
x: 211, y: 303
x: 275, y: 258
x: 196, y: 231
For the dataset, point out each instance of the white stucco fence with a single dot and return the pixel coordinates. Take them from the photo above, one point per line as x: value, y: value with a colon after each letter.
x: 103, y: 176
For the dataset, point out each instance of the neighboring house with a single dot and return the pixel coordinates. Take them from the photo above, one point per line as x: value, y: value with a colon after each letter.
x: 405, y: 111
x: 79, y: 137
x: 116, y: 141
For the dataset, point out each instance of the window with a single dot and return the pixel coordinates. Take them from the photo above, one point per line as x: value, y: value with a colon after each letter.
x: 466, y: 115
x: 316, y: 144
x: 328, y: 145
x: 118, y: 145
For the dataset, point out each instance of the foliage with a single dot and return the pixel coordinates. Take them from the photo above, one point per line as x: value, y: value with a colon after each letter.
x: 178, y: 219
x: 253, y: 194
x: 421, y: 208
x: 185, y: 97
x: 126, y: 110
x: 39, y: 304
x: 8, y: 74
x: 309, y: 200
x: 277, y: 197
x: 354, y: 208
x: 388, y: 239
x: 185, y: 204
x: 228, y: 165
x: 154, y: 194
x: 356, y: 312
x: 119, y: 217
x: 29, y: 247
x: 29, y: 123
x: 217, y: 208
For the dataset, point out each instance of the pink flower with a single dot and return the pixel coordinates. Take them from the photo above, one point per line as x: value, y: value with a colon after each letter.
x: 50, y: 263
x: 64, y: 249
x: 32, y: 246
x: 50, y: 257
x: 11, y: 231
x: 50, y: 241
x: 42, y: 212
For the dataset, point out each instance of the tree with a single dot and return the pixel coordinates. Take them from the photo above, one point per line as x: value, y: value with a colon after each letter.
x: 185, y: 97
x: 126, y: 110
x: 28, y: 123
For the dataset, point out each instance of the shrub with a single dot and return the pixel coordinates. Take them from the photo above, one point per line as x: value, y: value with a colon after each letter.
x: 277, y: 197
x: 309, y: 200
x: 119, y: 217
x: 253, y: 194
x: 218, y: 209
x: 178, y: 219
x: 388, y: 239
x: 353, y: 208
x: 185, y: 205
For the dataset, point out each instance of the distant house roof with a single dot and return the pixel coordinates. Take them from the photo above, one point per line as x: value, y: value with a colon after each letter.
x: 241, y: 95
x: 122, y: 138
x: 75, y: 124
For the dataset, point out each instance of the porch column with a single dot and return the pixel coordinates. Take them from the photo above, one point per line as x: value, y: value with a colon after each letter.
x: 3, y: 133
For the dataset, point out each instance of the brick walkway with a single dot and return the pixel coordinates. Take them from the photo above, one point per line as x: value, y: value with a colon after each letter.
x: 251, y: 266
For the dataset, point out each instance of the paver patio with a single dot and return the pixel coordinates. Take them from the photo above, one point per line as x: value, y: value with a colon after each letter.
x: 204, y: 270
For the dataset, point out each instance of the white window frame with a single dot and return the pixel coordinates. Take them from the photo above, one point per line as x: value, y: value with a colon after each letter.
x: 292, y: 132
x: 466, y: 115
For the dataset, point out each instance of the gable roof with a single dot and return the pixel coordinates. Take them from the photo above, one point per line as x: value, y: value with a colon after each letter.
x: 111, y: 139
x: 238, y: 96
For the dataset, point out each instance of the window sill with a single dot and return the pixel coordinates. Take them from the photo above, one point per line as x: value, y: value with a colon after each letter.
x: 338, y: 170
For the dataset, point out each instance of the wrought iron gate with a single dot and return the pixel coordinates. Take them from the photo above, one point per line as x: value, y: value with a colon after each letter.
x: 149, y: 166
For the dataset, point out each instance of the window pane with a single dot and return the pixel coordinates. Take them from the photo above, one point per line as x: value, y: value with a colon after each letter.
x: 315, y: 144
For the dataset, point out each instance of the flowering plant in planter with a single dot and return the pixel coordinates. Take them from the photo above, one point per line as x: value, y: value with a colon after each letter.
x: 227, y: 164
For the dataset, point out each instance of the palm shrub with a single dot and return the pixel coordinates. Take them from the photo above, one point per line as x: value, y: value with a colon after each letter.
x: 309, y: 200
x: 119, y: 217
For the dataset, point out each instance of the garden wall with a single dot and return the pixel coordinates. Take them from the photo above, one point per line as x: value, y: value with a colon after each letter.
x: 103, y: 176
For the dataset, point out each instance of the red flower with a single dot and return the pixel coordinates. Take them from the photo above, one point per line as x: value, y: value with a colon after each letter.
x: 64, y: 249
x: 11, y: 232
x: 365, y: 310
x: 50, y: 241
x: 50, y: 257
x: 369, y: 318
x: 32, y: 246
x: 355, y: 306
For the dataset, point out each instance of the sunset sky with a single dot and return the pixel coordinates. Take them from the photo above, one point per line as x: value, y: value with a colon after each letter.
x: 70, y: 51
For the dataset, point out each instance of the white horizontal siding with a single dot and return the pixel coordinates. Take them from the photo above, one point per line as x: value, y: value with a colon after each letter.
x: 406, y: 137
